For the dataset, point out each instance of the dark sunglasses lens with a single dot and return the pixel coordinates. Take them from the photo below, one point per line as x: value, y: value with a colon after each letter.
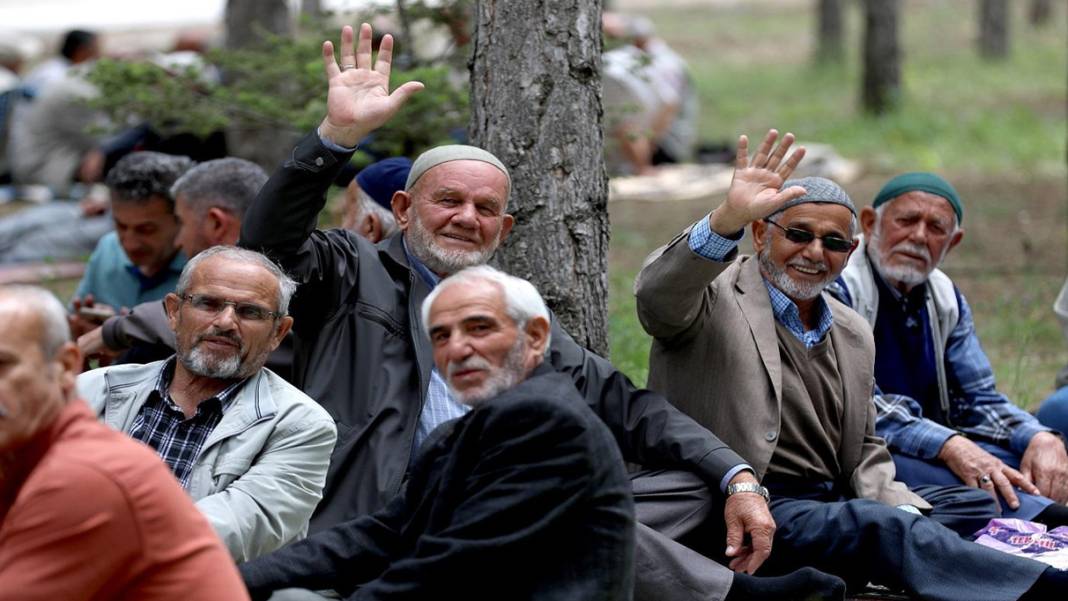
x: 837, y: 245
x: 799, y: 236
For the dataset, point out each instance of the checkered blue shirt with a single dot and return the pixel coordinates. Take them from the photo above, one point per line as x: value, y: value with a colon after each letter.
x: 439, y: 406
x: 714, y: 247
x: 161, y: 424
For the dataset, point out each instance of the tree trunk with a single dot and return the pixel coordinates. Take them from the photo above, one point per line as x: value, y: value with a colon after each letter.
x: 882, y: 56
x: 1040, y: 12
x: 829, y: 48
x: 536, y: 104
x: 993, y: 29
x: 246, y: 21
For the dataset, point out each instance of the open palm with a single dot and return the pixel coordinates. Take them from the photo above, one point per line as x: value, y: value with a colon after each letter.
x: 755, y: 190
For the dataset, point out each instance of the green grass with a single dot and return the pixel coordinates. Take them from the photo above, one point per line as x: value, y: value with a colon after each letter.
x: 997, y: 130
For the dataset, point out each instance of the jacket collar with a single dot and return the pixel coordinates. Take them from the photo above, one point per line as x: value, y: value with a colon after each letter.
x: 755, y: 305
x: 129, y: 388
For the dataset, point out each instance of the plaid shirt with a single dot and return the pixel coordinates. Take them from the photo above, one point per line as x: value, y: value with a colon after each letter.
x: 976, y: 408
x: 161, y: 424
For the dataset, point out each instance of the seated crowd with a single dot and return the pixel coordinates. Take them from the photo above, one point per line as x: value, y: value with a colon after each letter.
x: 373, y: 412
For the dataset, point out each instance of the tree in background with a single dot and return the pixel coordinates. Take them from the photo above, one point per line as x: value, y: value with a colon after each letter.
x: 1040, y: 12
x: 881, y: 87
x: 829, y: 35
x: 993, y: 29
x: 535, y: 96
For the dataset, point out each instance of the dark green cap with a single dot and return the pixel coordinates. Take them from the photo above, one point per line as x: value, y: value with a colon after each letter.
x: 923, y: 182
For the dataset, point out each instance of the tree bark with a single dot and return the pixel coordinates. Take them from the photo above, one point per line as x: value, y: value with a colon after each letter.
x: 1040, y: 12
x: 829, y: 45
x: 881, y: 87
x: 246, y: 21
x: 993, y: 29
x: 536, y: 104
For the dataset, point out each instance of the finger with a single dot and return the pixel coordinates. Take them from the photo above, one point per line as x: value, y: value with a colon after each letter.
x: 404, y: 92
x: 741, y: 154
x: 1004, y: 487
x: 363, y: 50
x: 761, y: 158
x: 88, y: 300
x: 735, y: 533
x: 986, y: 484
x: 1022, y: 481
x: 780, y: 151
x: 742, y: 563
x: 785, y: 196
x: 787, y: 168
x: 761, y: 548
x: 329, y: 64
x: 384, y: 60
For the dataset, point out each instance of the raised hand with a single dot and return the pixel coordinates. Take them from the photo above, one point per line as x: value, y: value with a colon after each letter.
x: 359, y: 100
x: 755, y: 190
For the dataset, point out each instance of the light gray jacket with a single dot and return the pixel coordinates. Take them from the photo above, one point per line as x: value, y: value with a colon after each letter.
x: 261, y: 471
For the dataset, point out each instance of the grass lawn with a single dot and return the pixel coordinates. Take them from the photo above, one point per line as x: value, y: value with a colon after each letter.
x: 997, y: 131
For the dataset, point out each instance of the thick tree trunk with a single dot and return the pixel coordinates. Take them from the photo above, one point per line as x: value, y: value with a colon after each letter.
x: 1040, y: 12
x: 994, y: 29
x: 246, y: 21
x: 536, y: 104
x: 829, y: 45
x: 882, y: 56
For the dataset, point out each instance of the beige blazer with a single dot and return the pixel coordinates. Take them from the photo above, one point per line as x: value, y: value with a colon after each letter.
x: 716, y: 356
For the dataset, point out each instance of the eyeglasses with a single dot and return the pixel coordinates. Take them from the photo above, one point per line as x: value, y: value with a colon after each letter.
x: 244, y: 311
x: 831, y: 243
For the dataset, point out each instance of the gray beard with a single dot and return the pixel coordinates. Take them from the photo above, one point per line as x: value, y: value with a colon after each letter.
x: 792, y: 288
x: 503, y: 378
x: 439, y: 260
x: 902, y: 274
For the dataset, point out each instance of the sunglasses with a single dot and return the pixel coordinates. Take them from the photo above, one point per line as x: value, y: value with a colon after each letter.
x: 214, y: 306
x: 831, y: 243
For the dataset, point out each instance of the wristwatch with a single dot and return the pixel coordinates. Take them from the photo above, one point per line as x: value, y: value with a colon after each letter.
x: 748, y: 487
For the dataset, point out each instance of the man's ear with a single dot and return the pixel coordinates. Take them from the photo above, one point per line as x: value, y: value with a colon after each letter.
x: 69, y: 358
x: 956, y: 238
x: 170, y: 304
x: 283, y: 327
x: 759, y: 230
x: 537, y: 333
x: 221, y: 226
x: 370, y: 227
x: 401, y: 202
x: 507, y: 221
x: 867, y: 221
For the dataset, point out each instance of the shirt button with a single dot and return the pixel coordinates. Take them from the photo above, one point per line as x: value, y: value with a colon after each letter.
x: 318, y: 161
x: 770, y: 436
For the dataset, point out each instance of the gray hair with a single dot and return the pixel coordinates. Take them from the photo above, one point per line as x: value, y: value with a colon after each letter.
x: 366, y: 205
x: 286, y: 285
x: 229, y: 183
x: 141, y: 176
x: 55, y: 331
x: 522, y: 302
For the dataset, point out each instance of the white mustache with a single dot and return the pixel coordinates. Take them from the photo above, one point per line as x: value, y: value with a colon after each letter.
x: 913, y: 249
x: 473, y: 362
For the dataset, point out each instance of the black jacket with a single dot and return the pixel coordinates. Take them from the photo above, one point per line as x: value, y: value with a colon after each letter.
x: 362, y: 355
x: 525, y: 497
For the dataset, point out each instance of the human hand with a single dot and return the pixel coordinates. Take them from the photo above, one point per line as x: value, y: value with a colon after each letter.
x: 92, y: 346
x: 747, y: 513
x: 358, y: 100
x: 87, y: 315
x: 1045, y: 463
x: 91, y: 167
x: 755, y: 187
x: 975, y: 467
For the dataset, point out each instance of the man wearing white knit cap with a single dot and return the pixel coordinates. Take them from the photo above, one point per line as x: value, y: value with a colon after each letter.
x: 362, y: 355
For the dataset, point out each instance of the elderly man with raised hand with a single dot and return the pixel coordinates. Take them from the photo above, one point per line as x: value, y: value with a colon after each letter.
x: 363, y: 357
x: 250, y: 448
x: 524, y: 497
x: 86, y: 513
x: 796, y: 397
x: 941, y: 416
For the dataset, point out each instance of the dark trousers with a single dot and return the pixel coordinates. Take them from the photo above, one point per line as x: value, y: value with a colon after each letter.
x: 865, y: 541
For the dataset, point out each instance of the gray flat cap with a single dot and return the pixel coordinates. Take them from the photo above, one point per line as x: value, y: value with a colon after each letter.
x: 818, y: 189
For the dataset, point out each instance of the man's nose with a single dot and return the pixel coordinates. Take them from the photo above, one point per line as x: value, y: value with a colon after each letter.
x: 466, y: 215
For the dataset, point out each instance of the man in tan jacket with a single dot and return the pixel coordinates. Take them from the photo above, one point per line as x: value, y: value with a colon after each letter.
x: 752, y: 349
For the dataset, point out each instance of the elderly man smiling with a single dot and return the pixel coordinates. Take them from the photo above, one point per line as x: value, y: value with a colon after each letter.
x: 251, y: 449
x: 941, y: 415
x: 524, y: 497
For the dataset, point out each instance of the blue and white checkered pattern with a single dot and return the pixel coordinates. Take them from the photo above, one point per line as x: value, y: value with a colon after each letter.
x: 976, y: 407
x: 162, y: 425
x: 438, y: 409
